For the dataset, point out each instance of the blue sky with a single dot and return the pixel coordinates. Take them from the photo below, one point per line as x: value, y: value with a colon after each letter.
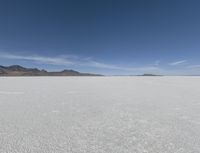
x: 102, y: 36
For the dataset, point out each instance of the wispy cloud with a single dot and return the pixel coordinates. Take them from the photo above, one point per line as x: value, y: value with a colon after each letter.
x: 71, y: 60
x: 194, y: 66
x: 41, y: 59
x: 157, y: 63
x: 178, y: 63
x: 122, y: 68
x: 92, y: 63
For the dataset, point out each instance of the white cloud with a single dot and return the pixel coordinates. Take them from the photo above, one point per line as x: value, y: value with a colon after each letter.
x: 122, y: 68
x: 92, y: 63
x: 41, y: 59
x: 157, y: 63
x: 178, y: 63
x: 67, y: 60
x: 194, y: 66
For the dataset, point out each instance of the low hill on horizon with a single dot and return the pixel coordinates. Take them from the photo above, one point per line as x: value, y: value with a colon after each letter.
x: 17, y: 70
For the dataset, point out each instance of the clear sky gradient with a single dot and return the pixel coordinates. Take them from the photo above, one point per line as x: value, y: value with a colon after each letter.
x: 102, y: 36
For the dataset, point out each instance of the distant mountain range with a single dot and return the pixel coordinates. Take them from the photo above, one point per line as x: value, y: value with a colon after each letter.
x: 147, y: 74
x: 17, y: 70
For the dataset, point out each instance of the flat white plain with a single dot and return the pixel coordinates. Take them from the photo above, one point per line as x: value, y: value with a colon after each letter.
x: 100, y: 114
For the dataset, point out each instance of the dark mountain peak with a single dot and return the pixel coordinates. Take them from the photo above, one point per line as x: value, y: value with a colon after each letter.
x: 2, y: 67
x: 34, y: 70
x: 148, y: 74
x: 17, y: 70
x: 71, y: 71
x: 43, y: 70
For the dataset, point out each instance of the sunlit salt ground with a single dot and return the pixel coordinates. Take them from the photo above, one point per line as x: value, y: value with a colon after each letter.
x: 100, y: 115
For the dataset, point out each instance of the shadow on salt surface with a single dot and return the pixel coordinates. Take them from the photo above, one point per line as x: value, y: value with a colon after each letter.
x: 11, y: 93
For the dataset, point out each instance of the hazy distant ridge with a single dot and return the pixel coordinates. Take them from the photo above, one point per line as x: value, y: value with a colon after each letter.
x: 17, y: 70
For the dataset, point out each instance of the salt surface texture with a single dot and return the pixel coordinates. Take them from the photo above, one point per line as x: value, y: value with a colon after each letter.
x: 100, y: 115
